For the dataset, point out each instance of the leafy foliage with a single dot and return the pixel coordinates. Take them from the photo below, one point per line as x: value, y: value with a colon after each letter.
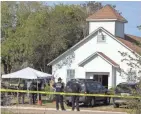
x: 139, y: 27
x: 34, y: 33
x: 135, y: 65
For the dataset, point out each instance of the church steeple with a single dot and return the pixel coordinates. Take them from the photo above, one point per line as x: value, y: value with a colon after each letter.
x: 108, y: 18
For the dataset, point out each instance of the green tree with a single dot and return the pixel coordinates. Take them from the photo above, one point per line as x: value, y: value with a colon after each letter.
x: 13, y: 45
x: 139, y: 27
x: 39, y: 33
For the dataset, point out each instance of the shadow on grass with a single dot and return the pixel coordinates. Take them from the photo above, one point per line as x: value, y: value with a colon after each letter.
x: 97, y: 105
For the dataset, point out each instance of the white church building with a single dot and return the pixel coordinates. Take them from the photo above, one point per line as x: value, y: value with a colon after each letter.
x: 97, y: 55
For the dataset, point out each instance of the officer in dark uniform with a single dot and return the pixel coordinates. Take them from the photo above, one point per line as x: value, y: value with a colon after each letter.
x: 39, y: 88
x: 75, y: 99
x: 59, y: 86
x: 33, y: 87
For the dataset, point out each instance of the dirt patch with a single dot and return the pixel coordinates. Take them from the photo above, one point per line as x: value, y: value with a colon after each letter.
x: 36, y: 111
x: 98, y: 107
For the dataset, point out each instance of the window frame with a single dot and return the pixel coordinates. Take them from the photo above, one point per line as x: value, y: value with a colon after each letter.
x: 70, y: 74
x: 100, y: 38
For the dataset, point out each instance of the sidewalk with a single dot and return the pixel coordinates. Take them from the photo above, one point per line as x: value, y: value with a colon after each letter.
x: 34, y: 110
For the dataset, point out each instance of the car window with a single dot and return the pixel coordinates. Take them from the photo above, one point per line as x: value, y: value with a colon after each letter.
x: 91, y: 85
x: 68, y: 87
x: 68, y: 84
x: 83, y: 87
x: 99, y: 86
x: 125, y: 88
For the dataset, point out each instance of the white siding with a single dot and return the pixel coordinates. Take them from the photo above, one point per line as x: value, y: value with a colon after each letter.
x: 99, y: 65
x: 62, y: 72
x: 109, y: 26
x: 115, y: 27
x: 110, y: 48
x: 113, y: 76
x: 119, y: 78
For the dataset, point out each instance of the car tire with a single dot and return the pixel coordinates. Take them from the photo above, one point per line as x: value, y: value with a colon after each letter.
x: 107, y: 101
x: 116, y: 105
x: 93, y: 102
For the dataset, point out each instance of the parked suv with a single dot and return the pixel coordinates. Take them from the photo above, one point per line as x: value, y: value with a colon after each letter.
x: 122, y: 89
x: 88, y: 86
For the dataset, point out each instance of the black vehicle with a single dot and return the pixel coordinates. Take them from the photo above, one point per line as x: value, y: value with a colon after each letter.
x: 122, y: 89
x: 88, y: 86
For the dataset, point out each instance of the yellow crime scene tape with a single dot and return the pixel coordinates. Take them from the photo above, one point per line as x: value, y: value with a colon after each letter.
x: 70, y: 94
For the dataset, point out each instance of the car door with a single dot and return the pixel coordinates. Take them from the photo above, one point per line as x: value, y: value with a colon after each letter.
x: 68, y: 87
x: 101, y: 90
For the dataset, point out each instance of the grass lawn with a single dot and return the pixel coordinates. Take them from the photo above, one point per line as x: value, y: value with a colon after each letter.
x: 3, y: 111
x: 98, y: 107
x: 48, y: 104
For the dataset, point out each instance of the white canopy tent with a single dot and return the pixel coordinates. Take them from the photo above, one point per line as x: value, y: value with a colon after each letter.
x: 27, y: 73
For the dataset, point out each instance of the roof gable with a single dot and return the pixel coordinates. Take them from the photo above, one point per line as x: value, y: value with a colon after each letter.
x: 76, y: 45
x: 106, y: 12
x: 102, y: 55
x: 120, y: 40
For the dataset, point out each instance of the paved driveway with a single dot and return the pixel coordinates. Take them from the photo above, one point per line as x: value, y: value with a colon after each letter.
x: 34, y: 110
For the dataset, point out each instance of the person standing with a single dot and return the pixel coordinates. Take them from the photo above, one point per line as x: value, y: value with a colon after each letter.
x: 18, y: 93
x: 52, y: 89
x: 75, y: 99
x: 21, y: 86
x: 39, y: 89
x: 59, y: 87
x: 23, y: 94
x: 29, y: 82
x: 33, y: 87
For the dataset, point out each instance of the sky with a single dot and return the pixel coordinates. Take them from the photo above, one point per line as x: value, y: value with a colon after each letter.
x: 131, y: 11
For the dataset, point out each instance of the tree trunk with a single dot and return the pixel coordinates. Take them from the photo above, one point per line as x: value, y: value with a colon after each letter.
x: 5, y: 66
x: 9, y: 68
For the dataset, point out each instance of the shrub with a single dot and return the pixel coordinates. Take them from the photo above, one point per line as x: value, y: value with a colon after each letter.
x: 49, y: 89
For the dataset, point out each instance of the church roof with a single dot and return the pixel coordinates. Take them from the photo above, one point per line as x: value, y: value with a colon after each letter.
x: 132, y: 42
x: 105, y: 57
x: 106, y: 13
